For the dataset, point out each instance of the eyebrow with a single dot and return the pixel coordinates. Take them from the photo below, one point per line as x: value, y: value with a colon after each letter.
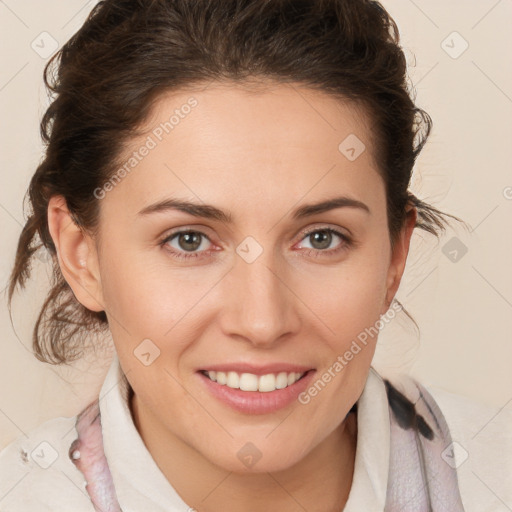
x: 208, y: 211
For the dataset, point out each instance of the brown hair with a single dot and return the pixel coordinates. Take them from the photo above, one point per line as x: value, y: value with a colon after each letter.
x: 105, y: 79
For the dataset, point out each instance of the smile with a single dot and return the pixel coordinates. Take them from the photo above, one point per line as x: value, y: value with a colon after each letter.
x: 249, y: 393
x: 252, y: 382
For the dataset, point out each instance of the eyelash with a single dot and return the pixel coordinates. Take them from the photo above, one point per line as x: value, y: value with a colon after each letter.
x: 347, y: 243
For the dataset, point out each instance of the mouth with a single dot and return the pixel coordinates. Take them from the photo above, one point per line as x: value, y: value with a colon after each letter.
x: 251, y: 382
x: 251, y: 393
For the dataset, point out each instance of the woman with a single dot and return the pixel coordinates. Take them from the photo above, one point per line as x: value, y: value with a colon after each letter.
x: 225, y: 191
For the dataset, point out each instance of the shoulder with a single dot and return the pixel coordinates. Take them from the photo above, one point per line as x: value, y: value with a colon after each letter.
x: 481, y: 450
x: 479, y: 443
x: 37, y: 474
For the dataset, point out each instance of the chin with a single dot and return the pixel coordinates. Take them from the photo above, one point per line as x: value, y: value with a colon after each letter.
x: 253, y: 458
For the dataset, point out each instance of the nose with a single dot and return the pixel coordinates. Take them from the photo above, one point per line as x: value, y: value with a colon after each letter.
x: 259, y: 305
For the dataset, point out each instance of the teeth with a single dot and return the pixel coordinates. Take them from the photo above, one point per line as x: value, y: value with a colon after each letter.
x: 251, y: 382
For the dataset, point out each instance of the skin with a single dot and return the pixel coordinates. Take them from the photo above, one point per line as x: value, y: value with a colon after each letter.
x: 257, y: 153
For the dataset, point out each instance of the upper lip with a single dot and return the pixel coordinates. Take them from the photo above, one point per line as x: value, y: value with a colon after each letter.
x: 256, y: 369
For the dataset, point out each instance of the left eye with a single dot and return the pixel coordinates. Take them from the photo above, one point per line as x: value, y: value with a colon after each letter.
x: 321, y: 239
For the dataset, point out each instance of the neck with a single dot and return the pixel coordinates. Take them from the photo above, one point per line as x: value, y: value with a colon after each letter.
x: 321, y: 481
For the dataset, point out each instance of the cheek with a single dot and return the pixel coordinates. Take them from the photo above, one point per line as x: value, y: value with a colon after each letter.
x: 348, y: 297
x: 348, y: 302
x: 150, y: 301
x: 140, y: 304
x: 138, y: 290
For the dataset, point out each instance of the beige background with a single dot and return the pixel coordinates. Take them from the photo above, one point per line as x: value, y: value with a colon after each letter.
x: 463, y: 308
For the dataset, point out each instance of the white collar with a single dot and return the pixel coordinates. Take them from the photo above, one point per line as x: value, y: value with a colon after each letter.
x: 140, y: 485
x: 369, y: 485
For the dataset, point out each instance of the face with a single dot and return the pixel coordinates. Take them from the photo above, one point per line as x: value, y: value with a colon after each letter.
x: 255, y: 278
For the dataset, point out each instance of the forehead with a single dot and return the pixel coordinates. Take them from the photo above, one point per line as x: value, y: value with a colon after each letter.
x: 250, y: 143
x: 226, y: 112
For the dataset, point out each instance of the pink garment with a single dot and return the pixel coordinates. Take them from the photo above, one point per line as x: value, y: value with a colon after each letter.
x: 420, y: 476
x: 87, y: 454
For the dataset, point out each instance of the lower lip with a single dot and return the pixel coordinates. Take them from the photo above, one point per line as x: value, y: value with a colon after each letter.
x: 257, y: 402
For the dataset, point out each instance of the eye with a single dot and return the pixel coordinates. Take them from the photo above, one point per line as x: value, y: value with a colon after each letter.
x: 186, y: 244
x: 322, y: 239
x: 189, y: 243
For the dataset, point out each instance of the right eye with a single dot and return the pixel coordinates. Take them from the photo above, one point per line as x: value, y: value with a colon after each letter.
x: 186, y: 243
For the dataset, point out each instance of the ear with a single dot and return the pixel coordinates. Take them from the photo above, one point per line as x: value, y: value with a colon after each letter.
x: 399, y: 257
x: 77, y: 255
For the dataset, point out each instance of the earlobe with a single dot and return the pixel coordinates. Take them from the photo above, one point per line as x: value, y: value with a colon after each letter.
x: 77, y: 255
x: 399, y: 257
